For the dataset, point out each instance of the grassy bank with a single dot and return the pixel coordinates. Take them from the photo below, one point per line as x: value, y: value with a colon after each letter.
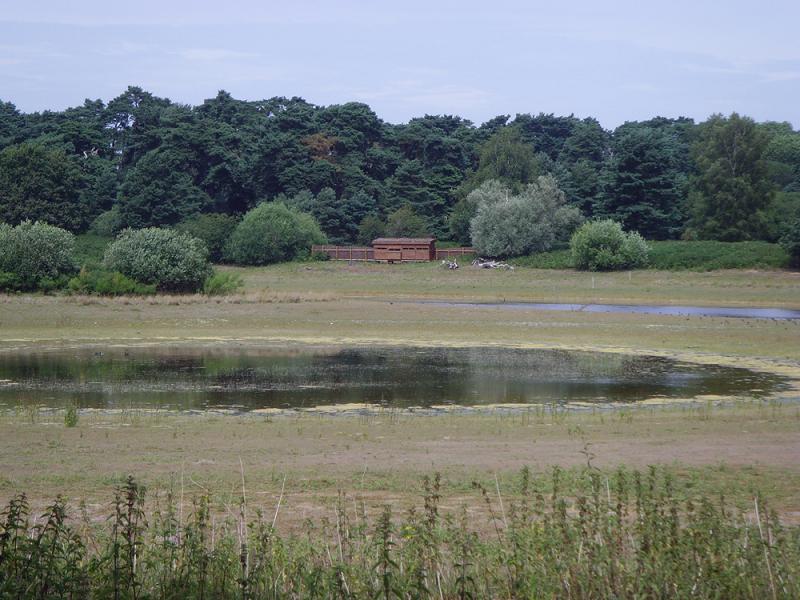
x: 680, y: 255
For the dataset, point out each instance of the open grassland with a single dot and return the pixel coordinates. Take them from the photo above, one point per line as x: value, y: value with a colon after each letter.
x: 323, y: 481
x: 431, y: 281
x: 734, y: 450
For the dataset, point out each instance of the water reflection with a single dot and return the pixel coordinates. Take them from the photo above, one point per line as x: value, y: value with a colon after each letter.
x: 292, y: 377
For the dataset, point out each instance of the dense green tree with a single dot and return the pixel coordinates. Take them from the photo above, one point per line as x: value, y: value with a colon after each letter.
x: 505, y: 157
x: 643, y: 188
x: 12, y: 123
x: 410, y: 186
x: 158, y: 191
x: 133, y: 122
x: 732, y: 187
x: 791, y: 241
x: 370, y: 228
x: 45, y: 185
x: 459, y: 220
x: 582, y: 183
x: 587, y: 141
x: 356, y: 207
x: 404, y: 222
x: 330, y: 214
x: 166, y: 161
x: 782, y: 156
x: 214, y: 230
x: 546, y: 133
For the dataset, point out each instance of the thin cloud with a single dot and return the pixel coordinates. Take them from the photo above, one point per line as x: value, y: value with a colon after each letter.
x: 214, y: 54
x: 447, y: 96
x: 782, y: 76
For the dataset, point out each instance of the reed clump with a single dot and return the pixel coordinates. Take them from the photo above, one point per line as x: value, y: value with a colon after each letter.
x: 621, y: 535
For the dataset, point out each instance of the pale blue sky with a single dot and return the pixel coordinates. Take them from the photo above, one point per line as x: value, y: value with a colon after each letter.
x: 615, y: 60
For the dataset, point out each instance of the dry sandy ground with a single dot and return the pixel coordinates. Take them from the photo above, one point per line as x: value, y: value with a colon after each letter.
x: 383, y: 458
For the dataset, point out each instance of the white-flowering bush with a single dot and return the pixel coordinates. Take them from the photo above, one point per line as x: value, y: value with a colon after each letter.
x: 535, y: 220
x: 604, y: 246
x: 170, y: 260
x: 36, y: 254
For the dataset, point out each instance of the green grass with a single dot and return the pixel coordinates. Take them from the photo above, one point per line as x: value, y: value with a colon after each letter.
x: 710, y: 256
x: 89, y: 250
x: 557, y: 259
x: 680, y: 256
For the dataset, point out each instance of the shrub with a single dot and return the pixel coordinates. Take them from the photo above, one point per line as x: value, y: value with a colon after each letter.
x: 9, y: 282
x: 107, y: 224
x: 170, y: 260
x: 89, y: 250
x: 219, y: 284
x: 535, y: 220
x: 108, y: 283
x: 36, y: 254
x: 71, y: 416
x: 404, y: 222
x: 213, y: 229
x: 320, y: 256
x: 371, y: 227
x: 604, y: 246
x: 273, y: 232
x: 458, y: 221
x: 790, y: 241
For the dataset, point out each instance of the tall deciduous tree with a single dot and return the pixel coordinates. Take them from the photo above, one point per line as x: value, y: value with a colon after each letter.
x: 732, y: 186
x: 506, y: 158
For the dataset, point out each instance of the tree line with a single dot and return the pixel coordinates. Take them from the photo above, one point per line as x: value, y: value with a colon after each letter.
x: 144, y: 161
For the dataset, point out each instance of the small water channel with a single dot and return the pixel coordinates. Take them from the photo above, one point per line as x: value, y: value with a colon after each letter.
x: 646, y: 309
x: 288, y: 377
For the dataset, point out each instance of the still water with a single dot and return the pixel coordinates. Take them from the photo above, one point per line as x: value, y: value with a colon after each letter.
x: 644, y: 309
x: 246, y: 378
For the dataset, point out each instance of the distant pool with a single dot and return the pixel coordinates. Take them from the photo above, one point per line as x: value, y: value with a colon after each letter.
x: 703, y: 311
x: 292, y: 377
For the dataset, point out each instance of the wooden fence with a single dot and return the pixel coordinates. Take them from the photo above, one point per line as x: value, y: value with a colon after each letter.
x: 453, y: 252
x: 365, y: 253
x: 345, y: 252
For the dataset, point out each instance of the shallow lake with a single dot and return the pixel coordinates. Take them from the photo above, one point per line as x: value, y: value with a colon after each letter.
x: 288, y: 377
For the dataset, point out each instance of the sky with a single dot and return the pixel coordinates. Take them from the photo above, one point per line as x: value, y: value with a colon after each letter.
x: 615, y: 60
